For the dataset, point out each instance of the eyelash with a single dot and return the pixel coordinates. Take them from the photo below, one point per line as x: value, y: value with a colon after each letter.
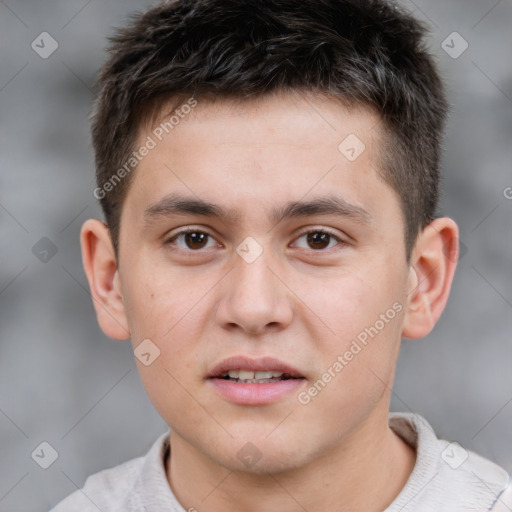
x: 170, y: 241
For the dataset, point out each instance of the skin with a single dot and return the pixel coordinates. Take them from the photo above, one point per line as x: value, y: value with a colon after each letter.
x: 301, y: 304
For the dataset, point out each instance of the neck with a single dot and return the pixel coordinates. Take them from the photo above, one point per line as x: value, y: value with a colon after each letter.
x: 365, y: 471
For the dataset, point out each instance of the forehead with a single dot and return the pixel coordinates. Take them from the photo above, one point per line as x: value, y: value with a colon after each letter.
x: 263, y: 117
x: 258, y: 155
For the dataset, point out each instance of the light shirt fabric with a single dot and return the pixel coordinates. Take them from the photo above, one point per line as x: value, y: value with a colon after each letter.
x: 445, y: 478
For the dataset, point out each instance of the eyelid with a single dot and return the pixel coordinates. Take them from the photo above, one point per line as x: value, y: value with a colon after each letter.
x: 315, y: 229
x: 321, y: 229
x: 168, y: 240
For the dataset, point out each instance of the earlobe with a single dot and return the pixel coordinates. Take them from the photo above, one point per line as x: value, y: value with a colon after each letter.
x: 100, y: 266
x: 433, y: 265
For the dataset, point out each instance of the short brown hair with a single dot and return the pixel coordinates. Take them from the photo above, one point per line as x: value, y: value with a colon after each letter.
x: 365, y: 52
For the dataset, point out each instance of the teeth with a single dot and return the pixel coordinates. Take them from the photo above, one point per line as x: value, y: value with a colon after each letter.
x: 262, y: 375
x: 245, y: 375
x: 258, y: 381
x: 248, y: 375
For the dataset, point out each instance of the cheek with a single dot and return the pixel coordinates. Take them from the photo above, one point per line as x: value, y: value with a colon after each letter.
x: 349, y: 303
x: 159, y: 301
x: 162, y: 307
x: 365, y: 311
x: 158, y: 311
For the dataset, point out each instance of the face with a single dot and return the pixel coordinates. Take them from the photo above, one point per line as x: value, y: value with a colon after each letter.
x: 274, y: 319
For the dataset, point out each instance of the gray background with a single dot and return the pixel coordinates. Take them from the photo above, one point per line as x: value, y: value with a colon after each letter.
x: 64, y: 382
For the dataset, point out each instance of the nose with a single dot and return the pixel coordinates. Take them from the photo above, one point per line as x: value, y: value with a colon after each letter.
x: 254, y: 298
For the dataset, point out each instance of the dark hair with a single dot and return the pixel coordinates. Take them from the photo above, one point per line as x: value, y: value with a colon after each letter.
x: 364, y: 52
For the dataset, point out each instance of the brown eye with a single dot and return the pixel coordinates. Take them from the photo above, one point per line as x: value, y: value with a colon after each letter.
x: 319, y: 240
x: 191, y: 240
x: 195, y: 240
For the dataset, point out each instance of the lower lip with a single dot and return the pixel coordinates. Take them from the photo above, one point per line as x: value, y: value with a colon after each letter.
x: 255, y: 394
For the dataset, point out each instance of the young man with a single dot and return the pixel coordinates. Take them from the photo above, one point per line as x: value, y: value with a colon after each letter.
x: 269, y: 175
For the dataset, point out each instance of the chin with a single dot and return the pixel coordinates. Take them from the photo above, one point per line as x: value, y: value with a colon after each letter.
x: 262, y: 456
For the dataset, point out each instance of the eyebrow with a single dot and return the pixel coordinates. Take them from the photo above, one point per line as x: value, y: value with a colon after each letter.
x: 175, y: 204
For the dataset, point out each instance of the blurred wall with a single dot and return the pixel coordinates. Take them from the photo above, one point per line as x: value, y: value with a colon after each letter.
x: 62, y: 381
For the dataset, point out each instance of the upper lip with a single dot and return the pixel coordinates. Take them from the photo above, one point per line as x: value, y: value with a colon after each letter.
x: 254, y: 364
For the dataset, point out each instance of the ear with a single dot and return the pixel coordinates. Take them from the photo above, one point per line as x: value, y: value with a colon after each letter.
x: 433, y: 263
x: 100, y: 266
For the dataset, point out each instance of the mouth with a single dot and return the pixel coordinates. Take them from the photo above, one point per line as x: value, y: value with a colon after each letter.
x: 258, y: 377
x: 261, y: 381
x: 259, y: 370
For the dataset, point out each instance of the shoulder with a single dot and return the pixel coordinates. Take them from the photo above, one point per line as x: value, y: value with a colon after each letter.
x: 504, y: 501
x: 110, y: 488
x: 104, y: 489
x: 477, y: 482
x: 446, y: 476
